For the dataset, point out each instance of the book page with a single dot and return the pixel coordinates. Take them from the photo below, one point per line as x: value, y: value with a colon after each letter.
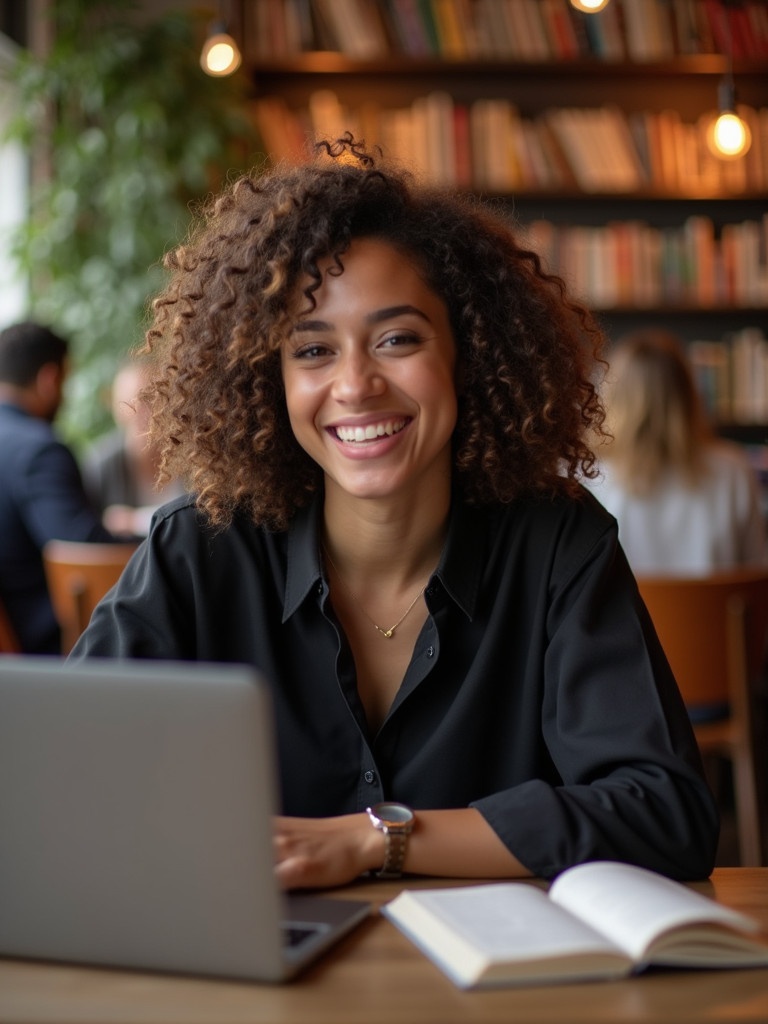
x: 632, y: 906
x: 506, y: 922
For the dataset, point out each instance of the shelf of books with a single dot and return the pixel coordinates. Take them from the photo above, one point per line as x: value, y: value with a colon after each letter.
x: 489, y: 145
x: 590, y: 128
x: 506, y: 30
x: 630, y: 120
x: 631, y: 264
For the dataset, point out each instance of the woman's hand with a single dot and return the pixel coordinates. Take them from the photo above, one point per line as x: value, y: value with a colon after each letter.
x: 319, y: 853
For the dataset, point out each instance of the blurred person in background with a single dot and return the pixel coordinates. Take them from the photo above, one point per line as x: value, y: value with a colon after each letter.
x: 120, y: 469
x: 687, y: 502
x: 42, y: 496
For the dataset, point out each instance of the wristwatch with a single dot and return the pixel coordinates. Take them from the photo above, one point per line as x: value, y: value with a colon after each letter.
x: 396, y: 821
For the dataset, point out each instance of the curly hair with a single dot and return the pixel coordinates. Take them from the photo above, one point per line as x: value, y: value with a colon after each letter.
x: 219, y: 415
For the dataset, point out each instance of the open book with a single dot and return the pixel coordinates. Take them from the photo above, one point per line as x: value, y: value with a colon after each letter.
x: 598, y: 920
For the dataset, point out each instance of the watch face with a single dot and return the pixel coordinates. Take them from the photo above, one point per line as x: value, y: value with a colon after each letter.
x: 392, y: 813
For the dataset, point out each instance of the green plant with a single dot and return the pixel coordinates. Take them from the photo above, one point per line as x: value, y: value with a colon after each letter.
x: 132, y: 132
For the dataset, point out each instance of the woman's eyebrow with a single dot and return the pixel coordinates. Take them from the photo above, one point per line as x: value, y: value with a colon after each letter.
x: 390, y: 311
x: 311, y: 325
x: 372, y: 318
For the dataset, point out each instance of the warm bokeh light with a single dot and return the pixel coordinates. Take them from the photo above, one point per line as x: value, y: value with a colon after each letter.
x: 589, y: 6
x: 220, y: 55
x: 729, y: 137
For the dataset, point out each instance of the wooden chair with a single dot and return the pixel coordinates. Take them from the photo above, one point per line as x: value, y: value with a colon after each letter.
x: 713, y: 630
x: 78, y: 576
x: 9, y: 642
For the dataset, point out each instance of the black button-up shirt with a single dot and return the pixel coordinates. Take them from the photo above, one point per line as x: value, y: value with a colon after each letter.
x: 537, y: 690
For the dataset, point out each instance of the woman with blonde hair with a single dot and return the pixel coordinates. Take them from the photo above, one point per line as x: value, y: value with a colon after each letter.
x: 686, y: 501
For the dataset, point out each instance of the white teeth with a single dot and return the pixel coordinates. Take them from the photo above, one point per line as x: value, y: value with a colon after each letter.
x: 371, y: 432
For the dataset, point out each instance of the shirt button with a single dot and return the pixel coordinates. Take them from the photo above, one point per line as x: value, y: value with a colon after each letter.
x: 320, y: 588
x: 370, y: 777
x: 430, y: 652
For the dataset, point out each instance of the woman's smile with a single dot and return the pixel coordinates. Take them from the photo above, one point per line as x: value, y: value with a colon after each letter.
x: 371, y: 432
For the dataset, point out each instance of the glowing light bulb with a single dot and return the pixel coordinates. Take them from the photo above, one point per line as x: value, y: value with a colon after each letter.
x: 589, y: 6
x: 220, y: 55
x: 729, y: 137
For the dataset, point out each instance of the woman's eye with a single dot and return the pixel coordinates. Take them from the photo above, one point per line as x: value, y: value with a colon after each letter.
x: 311, y: 351
x: 400, y: 340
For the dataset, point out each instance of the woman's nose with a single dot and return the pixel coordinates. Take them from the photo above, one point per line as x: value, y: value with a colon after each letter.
x: 358, y: 376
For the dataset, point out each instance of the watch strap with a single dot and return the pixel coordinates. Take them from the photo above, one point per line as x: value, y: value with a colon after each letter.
x: 394, y: 857
x: 396, y: 821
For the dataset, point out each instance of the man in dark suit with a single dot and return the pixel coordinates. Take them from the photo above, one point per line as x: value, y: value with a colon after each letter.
x: 41, y: 490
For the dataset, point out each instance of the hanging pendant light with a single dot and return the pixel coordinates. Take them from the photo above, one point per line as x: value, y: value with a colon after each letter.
x: 728, y: 135
x: 220, y: 55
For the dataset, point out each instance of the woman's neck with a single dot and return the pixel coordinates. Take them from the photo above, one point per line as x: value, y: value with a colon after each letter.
x: 394, y: 540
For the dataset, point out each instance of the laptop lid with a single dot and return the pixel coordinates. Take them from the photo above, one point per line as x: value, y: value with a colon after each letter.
x: 136, y: 800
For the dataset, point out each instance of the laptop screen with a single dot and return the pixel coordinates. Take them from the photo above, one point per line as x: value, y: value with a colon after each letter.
x: 136, y: 801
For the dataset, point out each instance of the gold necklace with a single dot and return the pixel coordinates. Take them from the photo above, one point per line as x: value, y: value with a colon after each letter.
x: 388, y: 633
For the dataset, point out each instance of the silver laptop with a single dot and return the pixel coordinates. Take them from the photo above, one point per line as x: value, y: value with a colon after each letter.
x: 136, y: 800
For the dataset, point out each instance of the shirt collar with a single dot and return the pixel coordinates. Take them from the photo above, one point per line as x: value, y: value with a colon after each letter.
x: 304, y: 571
x: 13, y: 407
x: 459, y: 570
x: 461, y: 565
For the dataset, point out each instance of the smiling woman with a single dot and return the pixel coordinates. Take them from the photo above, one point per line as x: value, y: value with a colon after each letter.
x: 369, y: 379
x: 381, y: 404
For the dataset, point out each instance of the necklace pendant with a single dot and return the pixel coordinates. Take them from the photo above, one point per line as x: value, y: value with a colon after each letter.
x: 386, y: 633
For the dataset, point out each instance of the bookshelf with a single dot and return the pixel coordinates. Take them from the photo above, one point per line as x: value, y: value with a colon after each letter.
x: 589, y: 128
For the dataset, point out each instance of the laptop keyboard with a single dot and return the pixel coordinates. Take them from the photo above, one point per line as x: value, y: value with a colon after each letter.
x: 294, y: 935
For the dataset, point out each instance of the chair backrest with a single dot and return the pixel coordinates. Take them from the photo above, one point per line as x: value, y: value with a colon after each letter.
x: 78, y: 576
x: 713, y: 630
x: 9, y: 642
x: 707, y: 626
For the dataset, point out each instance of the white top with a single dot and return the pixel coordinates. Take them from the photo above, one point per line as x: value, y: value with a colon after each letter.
x: 685, y: 530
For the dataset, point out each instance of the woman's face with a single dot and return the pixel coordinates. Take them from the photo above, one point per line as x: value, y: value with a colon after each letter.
x: 369, y: 376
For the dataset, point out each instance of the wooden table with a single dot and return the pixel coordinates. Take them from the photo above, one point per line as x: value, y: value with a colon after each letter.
x: 376, y: 976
